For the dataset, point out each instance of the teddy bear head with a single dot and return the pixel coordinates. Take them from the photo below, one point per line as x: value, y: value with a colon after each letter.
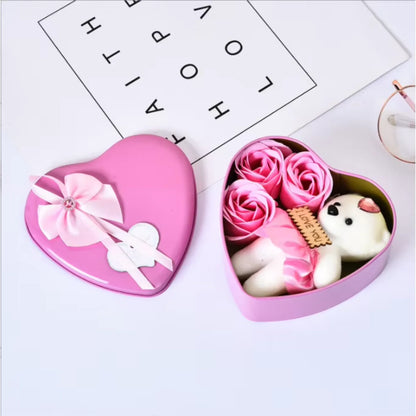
x: 355, y: 226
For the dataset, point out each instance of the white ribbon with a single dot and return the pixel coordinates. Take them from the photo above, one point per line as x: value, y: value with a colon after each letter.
x: 79, y: 217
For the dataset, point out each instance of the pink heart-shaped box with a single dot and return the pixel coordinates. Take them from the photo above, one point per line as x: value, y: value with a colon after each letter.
x: 276, y: 308
x: 154, y: 183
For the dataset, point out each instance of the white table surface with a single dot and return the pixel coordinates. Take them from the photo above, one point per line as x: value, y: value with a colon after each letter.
x: 70, y: 348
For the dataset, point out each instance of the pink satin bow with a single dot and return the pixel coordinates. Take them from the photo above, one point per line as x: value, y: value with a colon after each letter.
x: 71, y: 216
x: 79, y: 217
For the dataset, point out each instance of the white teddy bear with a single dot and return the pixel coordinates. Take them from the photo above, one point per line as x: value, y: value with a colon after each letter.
x: 280, y: 262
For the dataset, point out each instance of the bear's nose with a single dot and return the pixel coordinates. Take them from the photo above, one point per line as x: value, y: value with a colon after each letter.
x: 333, y: 210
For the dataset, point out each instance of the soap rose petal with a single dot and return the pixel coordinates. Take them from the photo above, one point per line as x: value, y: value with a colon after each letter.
x: 262, y: 162
x: 247, y: 207
x: 306, y: 180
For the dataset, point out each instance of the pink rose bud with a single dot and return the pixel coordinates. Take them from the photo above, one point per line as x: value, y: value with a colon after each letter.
x: 247, y: 207
x: 306, y: 181
x: 262, y: 163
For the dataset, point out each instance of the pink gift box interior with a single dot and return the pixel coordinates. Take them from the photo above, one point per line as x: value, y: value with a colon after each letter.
x: 355, y: 276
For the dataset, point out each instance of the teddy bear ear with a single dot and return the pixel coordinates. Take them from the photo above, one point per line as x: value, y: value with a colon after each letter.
x: 368, y: 205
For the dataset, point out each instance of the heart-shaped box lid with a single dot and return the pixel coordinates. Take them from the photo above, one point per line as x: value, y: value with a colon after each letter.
x: 154, y: 184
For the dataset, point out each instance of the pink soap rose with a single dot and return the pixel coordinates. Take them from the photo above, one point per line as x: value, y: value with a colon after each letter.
x: 247, y: 207
x: 262, y: 163
x: 306, y: 181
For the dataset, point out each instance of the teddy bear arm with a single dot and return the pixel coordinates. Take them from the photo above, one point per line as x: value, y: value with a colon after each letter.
x: 328, y: 267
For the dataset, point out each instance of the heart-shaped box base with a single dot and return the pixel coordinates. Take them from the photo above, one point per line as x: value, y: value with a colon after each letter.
x: 154, y: 183
x: 356, y: 276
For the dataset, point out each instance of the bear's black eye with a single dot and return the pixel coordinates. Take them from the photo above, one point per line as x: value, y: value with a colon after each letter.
x: 333, y: 210
x: 348, y: 221
x: 337, y: 204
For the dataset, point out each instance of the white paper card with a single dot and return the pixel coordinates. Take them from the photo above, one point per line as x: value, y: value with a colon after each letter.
x: 211, y: 76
